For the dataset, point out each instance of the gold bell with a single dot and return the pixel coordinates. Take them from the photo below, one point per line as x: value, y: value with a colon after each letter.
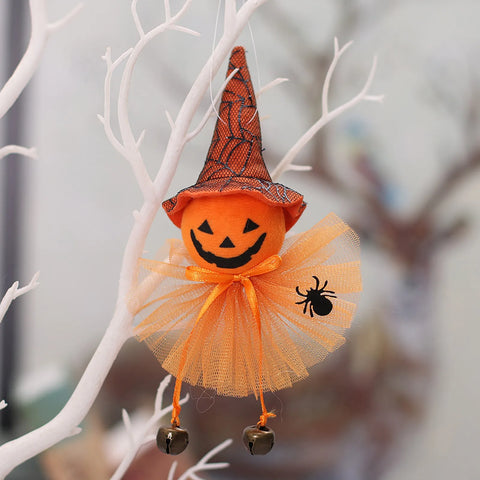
x: 172, y: 440
x: 258, y: 440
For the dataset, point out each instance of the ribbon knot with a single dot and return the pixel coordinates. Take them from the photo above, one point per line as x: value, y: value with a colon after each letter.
x: 224, y: 280
x: 201, y: 274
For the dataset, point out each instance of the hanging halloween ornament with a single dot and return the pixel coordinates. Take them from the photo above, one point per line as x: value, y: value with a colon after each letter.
x: 238, y: 307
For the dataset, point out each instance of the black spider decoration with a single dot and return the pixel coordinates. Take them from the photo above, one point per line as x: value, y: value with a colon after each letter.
x: 317, y: 299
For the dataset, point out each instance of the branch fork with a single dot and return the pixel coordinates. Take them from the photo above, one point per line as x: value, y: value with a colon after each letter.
x: 144, y: 435
x: 14, y: 292
x: 27, y: 66
x: 286, y: 164
x: 202, y: 464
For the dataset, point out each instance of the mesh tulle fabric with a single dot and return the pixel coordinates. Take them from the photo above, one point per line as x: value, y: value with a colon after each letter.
x: 224, y: 351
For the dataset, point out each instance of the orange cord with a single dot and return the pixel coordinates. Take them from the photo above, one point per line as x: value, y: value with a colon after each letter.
x: 253, y: 302
x: 219, y: 288
x: 265, y: 413
x: 176, y: 403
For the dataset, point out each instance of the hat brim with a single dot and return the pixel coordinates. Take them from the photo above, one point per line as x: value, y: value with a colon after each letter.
x: 274, y: 194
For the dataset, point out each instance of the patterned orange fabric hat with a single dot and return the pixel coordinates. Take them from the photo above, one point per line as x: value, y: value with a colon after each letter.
x: 234, y: 161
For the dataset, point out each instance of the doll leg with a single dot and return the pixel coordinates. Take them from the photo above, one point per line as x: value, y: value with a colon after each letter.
x: 173, y: 439
x: 259, y: 439
x: 176, y: 403
x: 265, y: 413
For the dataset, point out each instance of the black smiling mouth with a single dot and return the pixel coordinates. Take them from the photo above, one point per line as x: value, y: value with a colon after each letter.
x: 232, y: 262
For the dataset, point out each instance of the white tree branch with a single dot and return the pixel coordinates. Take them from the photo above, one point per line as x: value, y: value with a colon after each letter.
x: 17, y: 149
x: 145, y: 434
x: 170, y: 120
x: 40, y: 30
x: 300, y: 168
x: 136, y: 19
x: 168, y: 13
x: 202, y: 465
x: 186, y: 30
x: 128, y: 147
x: 54, y: 26
x: 229, y: 16
x: 65, y: 424
x: 327, y: 115
x: 272, y: 84
x: 337, y: 53
x: 106, y: 118
x: 128, y: 425
x: 14, y: 292
x: 120, y: 328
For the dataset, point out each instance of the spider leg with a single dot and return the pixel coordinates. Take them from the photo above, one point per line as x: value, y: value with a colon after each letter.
x: 299, y: 292
x: 311, y: 310
x: 305, y: 307
x: 301, y: 301
x: 327, y: 291
x: 317, y: 282
x: 324, y: 285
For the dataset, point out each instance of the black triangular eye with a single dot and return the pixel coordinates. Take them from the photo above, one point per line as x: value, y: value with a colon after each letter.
x: 249, y: 226
x: 205, y: 228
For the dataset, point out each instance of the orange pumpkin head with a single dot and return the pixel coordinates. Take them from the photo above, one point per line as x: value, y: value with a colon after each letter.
x: 232, y: 233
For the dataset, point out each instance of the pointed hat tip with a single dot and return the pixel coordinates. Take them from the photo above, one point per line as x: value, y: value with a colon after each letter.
x: 238, y: 50
x: 238, y: 60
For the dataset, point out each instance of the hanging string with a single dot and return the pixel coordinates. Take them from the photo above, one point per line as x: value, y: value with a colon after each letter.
x: 254, y: 48
x: 214, y: 41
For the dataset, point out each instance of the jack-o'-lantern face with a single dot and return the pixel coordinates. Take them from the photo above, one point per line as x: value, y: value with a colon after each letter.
x: 232, y: 233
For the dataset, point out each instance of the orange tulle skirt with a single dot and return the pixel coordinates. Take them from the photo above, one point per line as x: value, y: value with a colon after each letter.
x: 216, y: 341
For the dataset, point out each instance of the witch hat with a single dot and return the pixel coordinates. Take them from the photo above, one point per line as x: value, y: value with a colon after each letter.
x: 234, y: 161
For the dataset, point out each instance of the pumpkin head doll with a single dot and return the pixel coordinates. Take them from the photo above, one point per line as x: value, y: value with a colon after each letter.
x: 239, y: 308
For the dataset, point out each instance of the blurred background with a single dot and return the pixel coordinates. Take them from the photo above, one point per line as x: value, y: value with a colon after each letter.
x: 399, y: 400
